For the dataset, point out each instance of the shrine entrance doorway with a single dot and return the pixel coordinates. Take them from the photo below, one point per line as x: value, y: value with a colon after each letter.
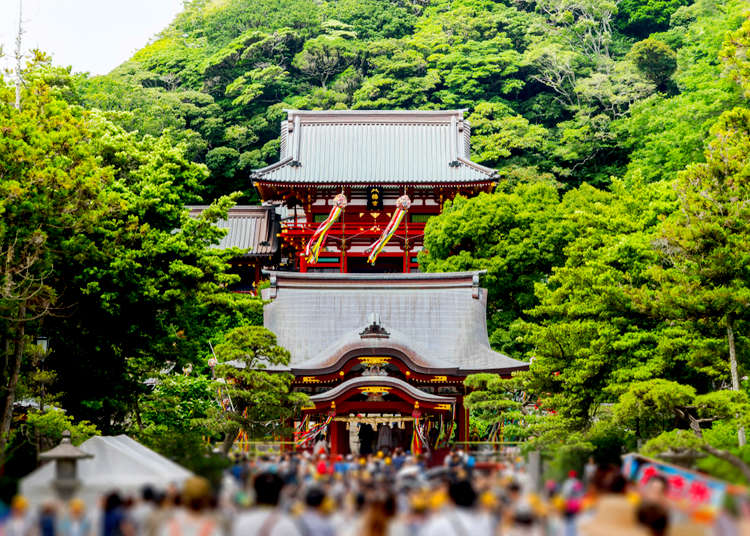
x: 383, y: 413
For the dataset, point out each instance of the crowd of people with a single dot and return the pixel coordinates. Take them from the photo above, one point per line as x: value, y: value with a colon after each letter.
x: 381, y: 494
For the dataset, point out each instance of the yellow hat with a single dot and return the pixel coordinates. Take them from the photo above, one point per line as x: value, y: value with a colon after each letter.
x: 77, y: 505
x: 419, y: 502
x: 196, y: 488
x: 19, y: 502
x: 488, y: 499
x: 438, y: 499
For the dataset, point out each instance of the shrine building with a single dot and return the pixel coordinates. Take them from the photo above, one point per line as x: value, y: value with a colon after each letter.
x: 397, y: 345
x: 373, y: 342
x: 373, y: 158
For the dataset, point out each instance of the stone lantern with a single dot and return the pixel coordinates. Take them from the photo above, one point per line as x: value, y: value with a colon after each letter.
x: 66, y: 456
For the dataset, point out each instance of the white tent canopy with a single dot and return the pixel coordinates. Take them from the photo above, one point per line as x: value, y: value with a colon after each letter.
x: 119, y: 463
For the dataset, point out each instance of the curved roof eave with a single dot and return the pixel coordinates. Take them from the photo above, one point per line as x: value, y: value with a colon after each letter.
x: 330, y: 358
x: 385, y: 381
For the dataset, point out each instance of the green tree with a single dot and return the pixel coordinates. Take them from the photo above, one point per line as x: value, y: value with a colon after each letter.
x: 517, y: 236
x: 706, y: 244
x: 654, y: 59
x: 51, y: 186
x: 498, y: 134
x: 735, y: 55
x: 259, y: 401
x: 642, y: 17
x: 677, y: 422
x: 588, y: 337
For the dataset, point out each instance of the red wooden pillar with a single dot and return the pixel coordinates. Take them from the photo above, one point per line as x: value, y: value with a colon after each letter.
x: 302, y: 262
x: 462, y: 416
x: 333, y: 438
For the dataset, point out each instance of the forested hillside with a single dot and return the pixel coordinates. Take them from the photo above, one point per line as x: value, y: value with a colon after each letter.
x: 617, y: 242
x: 563, y: 90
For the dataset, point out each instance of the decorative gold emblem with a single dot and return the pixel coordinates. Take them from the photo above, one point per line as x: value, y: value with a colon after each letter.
x: 439, y: 379
x: 374, y: 360
x: 310, y: 379
x: 374, y: 388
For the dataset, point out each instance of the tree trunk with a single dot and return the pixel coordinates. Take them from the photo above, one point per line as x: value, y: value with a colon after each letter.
x: 734, y: 371
x: 5, y: 364
x: 10, y: 397
x: 719, y: 453
x: 226, y: 445
x: 729, y: 457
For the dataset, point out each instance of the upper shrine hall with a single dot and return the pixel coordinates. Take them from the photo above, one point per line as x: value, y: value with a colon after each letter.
x: 364, y: 162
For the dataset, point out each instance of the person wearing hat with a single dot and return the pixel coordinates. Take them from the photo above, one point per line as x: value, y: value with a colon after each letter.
x: 194, y: 517
x: 462, y: 519
x: 75, y: 522
x: 19, y: 522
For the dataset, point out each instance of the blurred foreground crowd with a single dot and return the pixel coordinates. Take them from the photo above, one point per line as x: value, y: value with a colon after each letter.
x: 381, y: 495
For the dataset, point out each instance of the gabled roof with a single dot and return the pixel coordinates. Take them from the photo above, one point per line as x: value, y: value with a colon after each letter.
x: 375, y: 147
x: 248, y: 227
x: 436, y: 320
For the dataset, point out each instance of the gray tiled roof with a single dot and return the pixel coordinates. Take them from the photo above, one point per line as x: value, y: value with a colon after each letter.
x: 437, y: 320
x: 248, y: 227
x: 375, y: 147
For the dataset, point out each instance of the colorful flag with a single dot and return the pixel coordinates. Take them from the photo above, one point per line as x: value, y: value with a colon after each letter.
x: 312, y: 250
x: 403, y: 204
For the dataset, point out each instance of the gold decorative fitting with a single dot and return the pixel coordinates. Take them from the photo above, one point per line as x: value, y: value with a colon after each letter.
x: 439, y: 379
x: 374, y: 360
x: 443, y: 406
x: 341, y: 373
x: 310, y: 379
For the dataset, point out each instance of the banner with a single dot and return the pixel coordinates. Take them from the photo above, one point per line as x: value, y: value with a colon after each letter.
x: 403, y: 204
x: 684, y: 485
x: 312, y: 250
x: 304, y: 437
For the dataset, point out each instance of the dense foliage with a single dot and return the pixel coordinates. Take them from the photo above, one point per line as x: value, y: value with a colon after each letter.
x: 572, y: 91
x: 616, y: 243
x: 637, y: 332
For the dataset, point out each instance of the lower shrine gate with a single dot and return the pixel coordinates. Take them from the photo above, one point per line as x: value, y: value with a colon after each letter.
x: 377, y: 351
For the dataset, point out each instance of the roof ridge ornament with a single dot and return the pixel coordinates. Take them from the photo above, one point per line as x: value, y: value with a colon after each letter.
x: 375, y: 329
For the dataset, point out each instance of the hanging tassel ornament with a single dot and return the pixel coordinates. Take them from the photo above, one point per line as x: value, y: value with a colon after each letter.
x: 312, y: 250
x: 416, y: 444
x: 403, y: 204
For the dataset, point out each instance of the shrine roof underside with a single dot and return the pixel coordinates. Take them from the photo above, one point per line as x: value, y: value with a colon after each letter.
x: 433, y: 322
x: 362, y: 382
x: 349, y: 147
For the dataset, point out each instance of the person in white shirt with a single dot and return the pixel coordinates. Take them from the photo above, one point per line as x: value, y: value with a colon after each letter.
x: 19, y: 523
x: 462, y: 519
x: 266, y: 519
